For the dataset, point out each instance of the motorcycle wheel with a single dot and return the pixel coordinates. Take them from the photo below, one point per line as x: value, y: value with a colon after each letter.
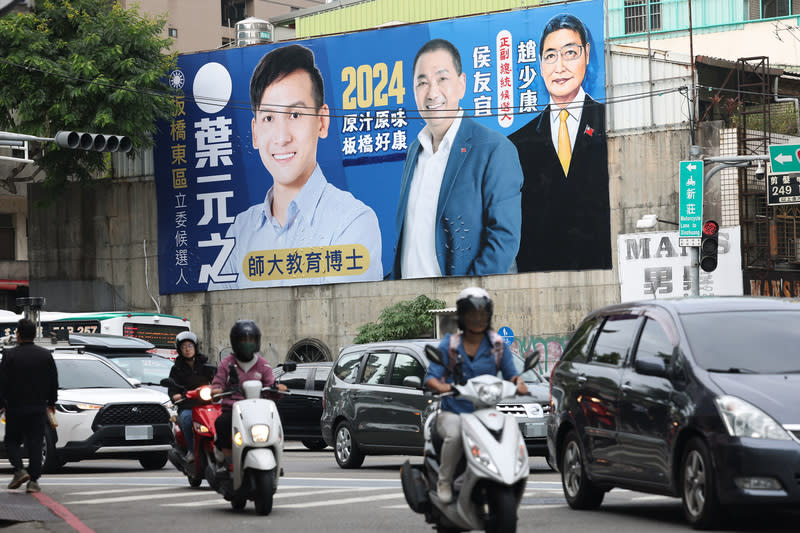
x: 502, y: 510
x: 195, y: 481
x: 265, y: 488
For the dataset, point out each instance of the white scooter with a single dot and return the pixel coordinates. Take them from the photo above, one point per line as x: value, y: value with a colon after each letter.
x: 257, y: 436
x: 491, y: 480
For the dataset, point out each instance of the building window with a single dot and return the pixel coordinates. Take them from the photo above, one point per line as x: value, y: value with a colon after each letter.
x: 173, y: 32
x: 7, y: 237
x: 775, y: 8
x: 232, y: 12
x: 636, y: 15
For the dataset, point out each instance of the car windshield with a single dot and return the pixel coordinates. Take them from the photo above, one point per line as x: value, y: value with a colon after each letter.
x: 746, y: 342
x: 147, y: 369
x: 88, y: 374
x: 531, y: 376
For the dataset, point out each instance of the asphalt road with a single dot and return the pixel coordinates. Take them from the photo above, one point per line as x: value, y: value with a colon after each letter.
x: 316, y: 495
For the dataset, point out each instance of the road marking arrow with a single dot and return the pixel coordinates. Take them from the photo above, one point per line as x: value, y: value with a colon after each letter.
x: 783, y: 158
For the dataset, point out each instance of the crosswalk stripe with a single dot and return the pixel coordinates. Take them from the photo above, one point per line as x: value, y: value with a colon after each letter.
x: 306, y: 505
x: 116, y: 491
x: 278, y: 495
x: 119, y: 499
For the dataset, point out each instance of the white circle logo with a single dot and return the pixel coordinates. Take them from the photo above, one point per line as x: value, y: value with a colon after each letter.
x: 212, y: 87
x: 176, y: 79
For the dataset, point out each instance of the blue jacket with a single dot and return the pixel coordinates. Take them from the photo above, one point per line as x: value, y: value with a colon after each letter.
x: 479, y: 211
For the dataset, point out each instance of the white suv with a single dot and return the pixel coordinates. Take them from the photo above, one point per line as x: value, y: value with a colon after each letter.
x: 102, y: 414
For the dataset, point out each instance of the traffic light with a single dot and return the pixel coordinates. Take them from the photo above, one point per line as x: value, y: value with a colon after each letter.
x: 709, y: 243
x: 99, y: 142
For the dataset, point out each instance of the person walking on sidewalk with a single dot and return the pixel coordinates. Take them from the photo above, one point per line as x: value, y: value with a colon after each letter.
x: 28, y: 390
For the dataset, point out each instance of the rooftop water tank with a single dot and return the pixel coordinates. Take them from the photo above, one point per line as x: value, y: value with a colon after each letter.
x: 253, y: 31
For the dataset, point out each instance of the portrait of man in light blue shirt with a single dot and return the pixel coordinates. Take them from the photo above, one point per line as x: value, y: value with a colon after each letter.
x: 306, y: 231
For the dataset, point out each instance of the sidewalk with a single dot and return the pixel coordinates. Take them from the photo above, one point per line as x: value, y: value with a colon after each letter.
x: 21, y: 512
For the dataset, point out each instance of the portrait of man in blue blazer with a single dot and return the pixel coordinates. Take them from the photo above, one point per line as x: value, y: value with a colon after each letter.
x: 459, y: 212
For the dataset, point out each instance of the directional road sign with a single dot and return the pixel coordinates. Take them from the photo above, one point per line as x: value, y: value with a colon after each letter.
x: 691, y: 200
x: 784, y: 158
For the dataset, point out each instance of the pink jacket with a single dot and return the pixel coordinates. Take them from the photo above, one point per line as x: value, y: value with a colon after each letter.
x: 261, y: 371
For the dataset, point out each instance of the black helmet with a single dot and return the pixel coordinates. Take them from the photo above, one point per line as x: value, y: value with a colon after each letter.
x: 184, y: 336
x: 245, y: 340
x: 474, y: 299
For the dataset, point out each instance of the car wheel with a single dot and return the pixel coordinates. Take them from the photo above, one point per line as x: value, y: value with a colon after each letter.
x: 698, y: 486
x: 346, y: 448
x: 153, y: 461
x: 50, y: 461
x: 314, y: 445
x: 579, y: 490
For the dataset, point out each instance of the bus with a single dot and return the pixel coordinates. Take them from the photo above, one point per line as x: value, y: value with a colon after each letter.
x: 160, y: 330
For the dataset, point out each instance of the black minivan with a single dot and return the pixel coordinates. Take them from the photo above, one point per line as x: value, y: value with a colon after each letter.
x: 695, y: 398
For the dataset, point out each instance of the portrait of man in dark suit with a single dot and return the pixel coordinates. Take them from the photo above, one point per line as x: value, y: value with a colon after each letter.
x: 563, y: 153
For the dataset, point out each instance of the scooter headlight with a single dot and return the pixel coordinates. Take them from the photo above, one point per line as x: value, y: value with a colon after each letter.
x: 259, y: 432
x: 490, y: 393
x: 205, y: 394
x: 479, y: 455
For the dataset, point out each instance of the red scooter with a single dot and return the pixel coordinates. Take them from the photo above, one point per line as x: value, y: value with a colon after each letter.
x: 204, y: 415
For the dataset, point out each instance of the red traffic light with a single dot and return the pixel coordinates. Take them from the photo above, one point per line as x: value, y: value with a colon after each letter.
x: 710, y: 227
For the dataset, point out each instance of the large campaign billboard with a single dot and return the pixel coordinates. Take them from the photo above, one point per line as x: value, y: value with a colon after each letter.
x: 376, y: 155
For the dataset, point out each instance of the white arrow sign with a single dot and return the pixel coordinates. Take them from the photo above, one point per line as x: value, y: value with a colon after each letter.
x: 691, y: 166
x: 783, y: 158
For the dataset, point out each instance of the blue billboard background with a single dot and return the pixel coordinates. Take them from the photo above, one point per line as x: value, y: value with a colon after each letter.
x: 207, y: 170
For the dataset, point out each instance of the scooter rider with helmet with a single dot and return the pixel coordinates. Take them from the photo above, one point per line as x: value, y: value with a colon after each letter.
x: 245, y: 343
x: 475, y: 350
x: 188, y: 372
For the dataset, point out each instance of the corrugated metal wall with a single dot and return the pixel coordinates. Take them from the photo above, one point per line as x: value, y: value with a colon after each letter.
x: 379, y: 12
x: 631, y: 80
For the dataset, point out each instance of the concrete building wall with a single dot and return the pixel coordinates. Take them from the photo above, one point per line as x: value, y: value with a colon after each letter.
x: 88, y: 250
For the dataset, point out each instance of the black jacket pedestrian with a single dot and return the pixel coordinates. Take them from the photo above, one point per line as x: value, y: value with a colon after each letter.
x: 28, y: 377
x: 189, y: 377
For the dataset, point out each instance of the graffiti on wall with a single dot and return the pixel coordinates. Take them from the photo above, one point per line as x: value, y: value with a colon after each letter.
x: 550, y: 349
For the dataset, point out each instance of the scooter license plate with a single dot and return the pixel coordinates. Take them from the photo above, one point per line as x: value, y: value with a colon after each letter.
x: 138, y: 432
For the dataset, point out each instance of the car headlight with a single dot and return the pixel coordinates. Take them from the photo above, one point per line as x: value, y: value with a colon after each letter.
x: 76, y: 407
x: 479, y: 455
x: 259, y: 432
x: 490, y: 393
x: 745, y: 420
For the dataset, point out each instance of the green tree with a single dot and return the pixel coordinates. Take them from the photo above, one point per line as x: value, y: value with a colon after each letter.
x: 85, y: 65
x: 403, y: 320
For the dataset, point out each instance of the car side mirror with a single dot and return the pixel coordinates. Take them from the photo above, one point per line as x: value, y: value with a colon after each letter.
x: 433, y: 354
x: 651, y: 366
x: 412, y: 381
x: 531, y: 360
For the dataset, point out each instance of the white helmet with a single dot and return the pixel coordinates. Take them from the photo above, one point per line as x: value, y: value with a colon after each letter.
x: 185, y: 336
x: 474, y: 298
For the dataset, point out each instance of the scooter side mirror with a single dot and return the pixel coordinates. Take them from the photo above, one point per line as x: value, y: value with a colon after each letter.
x: 433, y: 354
x: 531, y: 360
x: 168, y: 382
x: 289, y: 366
